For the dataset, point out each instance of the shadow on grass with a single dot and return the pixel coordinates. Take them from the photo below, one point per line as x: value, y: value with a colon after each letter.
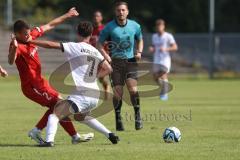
x: 17, y: 145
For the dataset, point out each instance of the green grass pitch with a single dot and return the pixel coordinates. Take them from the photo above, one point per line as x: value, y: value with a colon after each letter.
x: 206, y: 111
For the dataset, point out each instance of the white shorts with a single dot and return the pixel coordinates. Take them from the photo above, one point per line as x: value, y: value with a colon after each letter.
x: 85, y: 104
x: 162, y: 63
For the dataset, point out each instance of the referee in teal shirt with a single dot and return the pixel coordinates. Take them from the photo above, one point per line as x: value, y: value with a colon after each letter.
x: 125, y: 45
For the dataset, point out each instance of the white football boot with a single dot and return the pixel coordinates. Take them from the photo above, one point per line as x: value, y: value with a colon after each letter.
x: 78, y: 138
x: 35, y: 134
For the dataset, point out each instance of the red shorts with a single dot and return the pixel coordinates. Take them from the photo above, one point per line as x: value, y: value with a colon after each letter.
x: 44, y: 95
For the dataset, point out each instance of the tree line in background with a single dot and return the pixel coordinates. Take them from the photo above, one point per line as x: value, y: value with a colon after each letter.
x: 181, y: 15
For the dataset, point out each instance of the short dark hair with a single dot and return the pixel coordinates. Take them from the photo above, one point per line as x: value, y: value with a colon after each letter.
x: 119, y: 3
x: 97, y: 11
x: 85, y: 28
x: 160, y: 22
x: 19, y: 25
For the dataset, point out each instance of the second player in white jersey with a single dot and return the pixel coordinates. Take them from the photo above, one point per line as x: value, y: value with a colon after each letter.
x: 162, y: 56
x: 163, y: 43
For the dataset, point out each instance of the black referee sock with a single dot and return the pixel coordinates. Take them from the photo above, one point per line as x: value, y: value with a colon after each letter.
x: 136, y: 105
x: 135, y: 102
x: 117, y: 106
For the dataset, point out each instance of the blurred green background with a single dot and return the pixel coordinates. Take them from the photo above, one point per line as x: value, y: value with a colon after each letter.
x: 181, y: 15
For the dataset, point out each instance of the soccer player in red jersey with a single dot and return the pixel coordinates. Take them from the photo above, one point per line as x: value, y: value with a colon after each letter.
x: 98, y: 27
x: 33, y: 85
x: 3, y: 72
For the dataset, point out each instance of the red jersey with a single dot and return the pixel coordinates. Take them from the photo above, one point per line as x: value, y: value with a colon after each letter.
x: 95, y: 35
x: 28, y: 62
x: 97, y: 30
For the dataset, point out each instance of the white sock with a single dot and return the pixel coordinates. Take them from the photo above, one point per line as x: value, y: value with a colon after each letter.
x: 164, y: 85
x: 51, y: 127
x: 95, y: 124
x: 76, y: 135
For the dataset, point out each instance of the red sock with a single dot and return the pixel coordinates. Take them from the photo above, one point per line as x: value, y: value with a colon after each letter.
x: 43, y: 121
x: 68, y: 126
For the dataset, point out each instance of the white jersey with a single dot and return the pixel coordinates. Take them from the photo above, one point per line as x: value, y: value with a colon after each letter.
x: 84, y: 60
x: 162, y: 41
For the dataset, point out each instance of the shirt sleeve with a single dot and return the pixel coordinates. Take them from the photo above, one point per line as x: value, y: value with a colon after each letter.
x: 138, y: 34
x: 171, y: 39
x: 37, y: 32
x: 104, y: 35
x: 66, y: 48
x: 100, y: 57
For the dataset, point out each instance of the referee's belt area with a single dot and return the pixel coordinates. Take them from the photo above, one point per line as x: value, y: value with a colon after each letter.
x: 116, y: 60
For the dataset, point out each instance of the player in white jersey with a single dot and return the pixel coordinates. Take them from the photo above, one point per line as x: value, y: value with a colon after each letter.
x: 163, y: 43
x: 87, y: 65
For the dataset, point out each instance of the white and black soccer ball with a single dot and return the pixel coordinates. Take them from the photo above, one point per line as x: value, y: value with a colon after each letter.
x: 171, y: 135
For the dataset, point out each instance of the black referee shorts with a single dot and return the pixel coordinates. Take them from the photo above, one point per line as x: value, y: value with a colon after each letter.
x: 123, y: 69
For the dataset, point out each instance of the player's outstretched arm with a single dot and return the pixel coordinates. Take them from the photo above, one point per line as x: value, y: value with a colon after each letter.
x: 52, y: 24
x: 47, y: 44
x: 12, y: 50
x: 3, y: 72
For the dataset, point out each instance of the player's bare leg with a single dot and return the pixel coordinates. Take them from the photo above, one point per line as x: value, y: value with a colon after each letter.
x: 67, y: 125
x: 135, y: 99
x: 76, y: 137
x: 65, y: 109
x: 106, y: 87
x: 162, y: 79
x: 117, y: 103
x: 35, y: 133
x: 61, y: 109
x: 69, y: 128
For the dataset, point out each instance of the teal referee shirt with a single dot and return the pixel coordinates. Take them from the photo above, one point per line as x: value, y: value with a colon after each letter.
x: 121, y: 39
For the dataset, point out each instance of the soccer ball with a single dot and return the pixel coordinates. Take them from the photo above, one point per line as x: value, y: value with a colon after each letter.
x: 171, y: 135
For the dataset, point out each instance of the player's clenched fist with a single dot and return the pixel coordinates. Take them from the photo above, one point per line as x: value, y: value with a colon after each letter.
x: 3, y: 72
x: 72, y: 12
x: 14, y: 42
x: 151, y: 49
x: 138, y: 56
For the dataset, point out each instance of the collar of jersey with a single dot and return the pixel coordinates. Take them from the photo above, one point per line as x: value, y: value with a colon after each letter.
x: 119, y: 24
